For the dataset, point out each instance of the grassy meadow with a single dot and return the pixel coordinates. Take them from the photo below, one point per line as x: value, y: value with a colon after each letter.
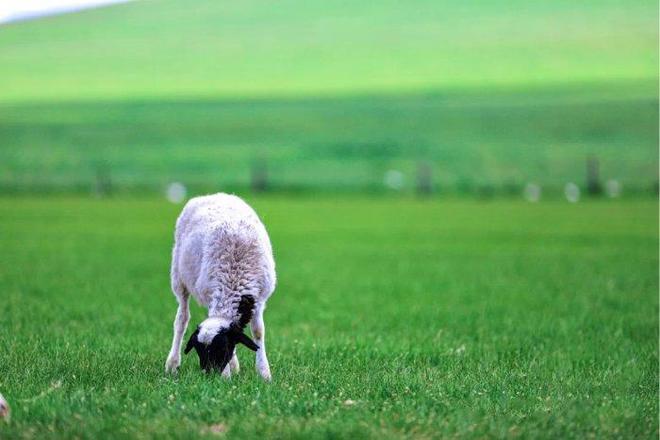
x: 393, y: 318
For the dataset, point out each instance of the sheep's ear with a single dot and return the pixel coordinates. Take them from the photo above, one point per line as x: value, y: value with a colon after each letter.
x: 245, y: 340
x: 245, y: 310
x: 192, y: 341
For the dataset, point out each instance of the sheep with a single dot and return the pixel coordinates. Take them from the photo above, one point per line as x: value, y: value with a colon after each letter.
x: 223, y: 257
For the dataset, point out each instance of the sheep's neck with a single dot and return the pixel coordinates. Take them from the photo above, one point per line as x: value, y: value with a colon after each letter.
x: 220, y: 309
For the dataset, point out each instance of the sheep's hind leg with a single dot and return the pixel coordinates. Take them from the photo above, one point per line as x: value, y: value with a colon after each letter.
x: 180, y: 325
x: 259, y: 335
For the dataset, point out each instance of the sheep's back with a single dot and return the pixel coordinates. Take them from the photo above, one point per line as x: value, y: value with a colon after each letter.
x: 222, y: 246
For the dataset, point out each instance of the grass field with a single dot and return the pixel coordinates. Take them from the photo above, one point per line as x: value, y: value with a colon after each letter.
x: 393, y: 318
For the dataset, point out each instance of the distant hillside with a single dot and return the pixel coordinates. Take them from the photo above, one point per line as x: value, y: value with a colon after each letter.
x: 253, y: 48
x: 488, y: 142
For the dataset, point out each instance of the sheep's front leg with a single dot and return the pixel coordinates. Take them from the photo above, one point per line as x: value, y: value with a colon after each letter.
x: 180, y: 325
x: 233, y: 363
x: 259, y: 335
x: 226, y: 373
x: 231, y: 367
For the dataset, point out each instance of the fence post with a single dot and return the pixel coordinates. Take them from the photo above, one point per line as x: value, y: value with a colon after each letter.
x: 259, y: 176
x: 594, y: 187
x: 424, y: 178
x: 102, y: 180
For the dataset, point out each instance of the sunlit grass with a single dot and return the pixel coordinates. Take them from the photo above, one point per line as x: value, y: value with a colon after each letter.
x: 393, y: 318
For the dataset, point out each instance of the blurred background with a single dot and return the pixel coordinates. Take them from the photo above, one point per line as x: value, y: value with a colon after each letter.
x: 498, y: 98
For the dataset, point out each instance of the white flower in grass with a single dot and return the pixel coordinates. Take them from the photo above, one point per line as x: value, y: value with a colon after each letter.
x: 5, y: 414
x: 613, y: 188
x: 572, y: 192
x: 532, y: 192
x: 176, y: 192
x: 394, y: 179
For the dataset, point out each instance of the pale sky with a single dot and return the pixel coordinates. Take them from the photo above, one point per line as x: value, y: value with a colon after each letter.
x: 13, y: 10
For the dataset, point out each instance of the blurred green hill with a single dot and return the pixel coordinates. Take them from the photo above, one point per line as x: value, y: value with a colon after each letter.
x: 211, y: 48
x: 330, y: 94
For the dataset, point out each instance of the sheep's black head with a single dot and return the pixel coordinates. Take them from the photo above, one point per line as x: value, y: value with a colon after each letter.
x: 215, y: 343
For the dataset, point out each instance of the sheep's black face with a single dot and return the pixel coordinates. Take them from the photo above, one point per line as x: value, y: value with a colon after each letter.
x: 217, y: 354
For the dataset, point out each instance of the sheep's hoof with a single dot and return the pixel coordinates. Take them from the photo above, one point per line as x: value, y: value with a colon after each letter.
x: 234, y: 366
x: 226, y: 373
x: 265, y: 373
x: 172, y: 366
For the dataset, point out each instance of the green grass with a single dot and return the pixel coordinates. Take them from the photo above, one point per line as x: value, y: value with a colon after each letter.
x: 437, y: 318
x: 495, y: 139
x: 172, y: 48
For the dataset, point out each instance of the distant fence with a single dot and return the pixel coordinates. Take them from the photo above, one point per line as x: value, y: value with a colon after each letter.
x: 421, y: 181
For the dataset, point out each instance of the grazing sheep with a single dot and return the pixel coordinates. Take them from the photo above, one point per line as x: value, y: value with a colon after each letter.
x: 223, y: 257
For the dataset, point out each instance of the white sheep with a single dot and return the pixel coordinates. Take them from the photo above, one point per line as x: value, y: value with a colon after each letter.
x: 223, y: 257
